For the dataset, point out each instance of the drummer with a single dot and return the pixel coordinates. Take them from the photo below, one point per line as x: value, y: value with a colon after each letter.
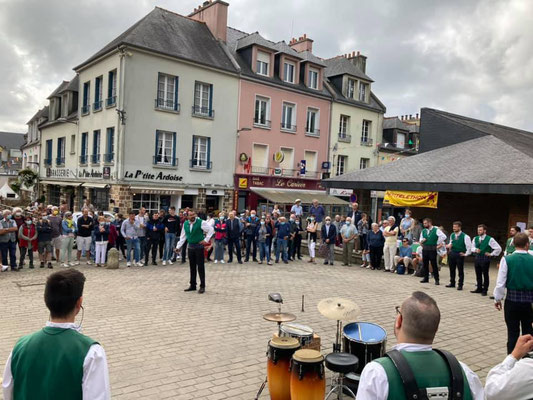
x: 416, y: 324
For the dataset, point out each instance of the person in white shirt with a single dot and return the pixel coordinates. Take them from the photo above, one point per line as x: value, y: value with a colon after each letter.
x: 460, y: 246
x: 58, y: 361
x: 431, y: 238
x: 297, y: 209
x: 484, y: 248
x: 391, y: 244
x: 513, y: 378
x: 417, y: 322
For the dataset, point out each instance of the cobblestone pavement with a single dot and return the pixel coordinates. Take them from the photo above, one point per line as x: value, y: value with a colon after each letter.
x: 164, y: 343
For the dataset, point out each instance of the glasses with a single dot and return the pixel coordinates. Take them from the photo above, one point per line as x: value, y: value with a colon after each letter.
x: 398, y: 312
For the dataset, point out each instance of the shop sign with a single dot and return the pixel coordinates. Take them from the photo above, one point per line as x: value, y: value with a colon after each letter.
x: 243, y: 183
x: 243, y: 157
x: 279, y: 156
x: 107, y: 172
x: 278, y: 183
x: 60, y: 173
x: 411, y: 199
x: 341, y: 192
x: 90, y: 173
x: 149, y: 176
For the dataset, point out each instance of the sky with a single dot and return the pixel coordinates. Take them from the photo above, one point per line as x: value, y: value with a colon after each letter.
x: 471, y: 57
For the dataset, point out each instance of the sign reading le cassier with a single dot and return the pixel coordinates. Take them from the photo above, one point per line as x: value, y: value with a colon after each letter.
x: 411, y: 199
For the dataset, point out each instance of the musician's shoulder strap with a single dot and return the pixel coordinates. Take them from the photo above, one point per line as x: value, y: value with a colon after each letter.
x: 412, y: 392
x: 456, y: 374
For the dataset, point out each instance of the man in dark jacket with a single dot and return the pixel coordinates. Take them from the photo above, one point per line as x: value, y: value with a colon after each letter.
x: 283, y: 232
x: 44, y: 240
x: 154, y: 230
x: 328, y: 235
x: 249, y: 231
x: 233, y: 230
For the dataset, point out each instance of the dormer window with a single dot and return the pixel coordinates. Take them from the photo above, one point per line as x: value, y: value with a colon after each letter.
x: 288, y: 72
x: 350, y: 93
x: 362, y: 91
x: 312, y: 78
x: 263, y: 62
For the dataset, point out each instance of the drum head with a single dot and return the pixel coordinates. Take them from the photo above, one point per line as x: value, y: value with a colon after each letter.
x: 295, y: 329
x: 308, y: 356
x: 284, y: 342
x: 364, y: 332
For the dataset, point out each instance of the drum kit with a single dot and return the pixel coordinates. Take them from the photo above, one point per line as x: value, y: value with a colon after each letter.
x: 297, y: 372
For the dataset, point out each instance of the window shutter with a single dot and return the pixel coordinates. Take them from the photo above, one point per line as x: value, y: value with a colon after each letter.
x: 208, y: 153
x: 109, y: 84
x: 108, y: 144
x: 97, y: 89
x: 156, y: 144
x: 174, y: 144
x: 176, y: 98
x: 58, y: 147
x: 210, y: 100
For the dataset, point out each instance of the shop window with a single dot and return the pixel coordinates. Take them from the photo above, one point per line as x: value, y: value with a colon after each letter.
x: 54, y: 194
x: 101, y: 199
x: 149, y: 201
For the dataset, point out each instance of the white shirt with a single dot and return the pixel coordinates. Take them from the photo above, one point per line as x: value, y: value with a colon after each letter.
x: 496, y: 248
x: 95, y: 382
x: 510, y: 380
x: 374, y: 384
x: 501, y: 282
x: 208, y: 229
x: 441, y: 237
x: 468, y: 242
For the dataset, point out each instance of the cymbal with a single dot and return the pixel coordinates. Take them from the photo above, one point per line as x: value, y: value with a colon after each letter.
x: 339, y: 309
x: 279, y: 317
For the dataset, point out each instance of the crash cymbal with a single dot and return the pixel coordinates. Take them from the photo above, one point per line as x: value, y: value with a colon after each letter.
x: 339, y: 309
x: 279, y: 317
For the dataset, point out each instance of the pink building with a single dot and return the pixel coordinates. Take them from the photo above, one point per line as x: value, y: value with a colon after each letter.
x: 284, y: 119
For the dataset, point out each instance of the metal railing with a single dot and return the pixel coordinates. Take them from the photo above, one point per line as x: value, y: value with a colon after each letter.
x: 60, y: 160
x: 314, y: 132
x: 97, y: 105
x: 83, y: 159
x: 200, y: 164
x: 111, y: 101
x: 48, y: 161
x: 85, y: 109
x: 262, y: 124
x: 203, y: 112
x: 260, y: 170
x: 366, y: 141
x: 95, y: 158
x: 344, y: 137
x: 165, y: 160
x: 109, y: 157
x: 163, y: 104
x: 288, y: 127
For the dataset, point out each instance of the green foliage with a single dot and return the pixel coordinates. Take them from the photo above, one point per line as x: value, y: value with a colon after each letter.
x: 27, y: 177
x: 15, y: 185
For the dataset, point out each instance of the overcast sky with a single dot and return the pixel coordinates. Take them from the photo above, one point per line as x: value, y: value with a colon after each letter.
x: 472, y: 57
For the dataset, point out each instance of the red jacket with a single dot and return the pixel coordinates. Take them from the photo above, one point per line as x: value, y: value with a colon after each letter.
x: 113, y: 234
x: 220, y: 230
x: 28, y: 233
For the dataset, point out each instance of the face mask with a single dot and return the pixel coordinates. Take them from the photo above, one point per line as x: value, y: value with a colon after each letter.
x: 18, y: 214
x: 292, y: 219
x: 297, y: 222
x: 253, y: 215
x: 262, y: 222
x: 312, y: 219
x: 328, y: 222
x: 8, y: 217
x: 102, y: 223
x: 222, y: 218
x: 55, y: 212
x: 348, y: 222
x: 282, y: 223
x: 29, y: 222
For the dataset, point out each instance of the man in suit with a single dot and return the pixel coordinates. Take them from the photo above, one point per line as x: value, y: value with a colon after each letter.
x: 233, y: 233
x: 328, y: 235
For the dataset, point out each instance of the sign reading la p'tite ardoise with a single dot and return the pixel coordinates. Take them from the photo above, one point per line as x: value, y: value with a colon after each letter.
x: 148, y: 176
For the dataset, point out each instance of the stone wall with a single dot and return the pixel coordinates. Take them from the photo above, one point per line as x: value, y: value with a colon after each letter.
x: 122, y: 197
x: 200, y: 204
x: 227, y: 201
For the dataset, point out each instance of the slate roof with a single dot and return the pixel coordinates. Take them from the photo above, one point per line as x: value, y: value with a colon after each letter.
x: 11, y: 140
x: 72, y: 86
x: 254, y: 38
x: 308, y: 56
x: 168, y: 33
x: 341, y: 66
x: 283, y: 47
x: 397, y: 123
x: 375, y: 104
x: 62, y: 86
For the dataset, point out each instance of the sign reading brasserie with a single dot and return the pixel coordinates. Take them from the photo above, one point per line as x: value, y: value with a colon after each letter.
x: 59, y: 173
x: 152, y: 177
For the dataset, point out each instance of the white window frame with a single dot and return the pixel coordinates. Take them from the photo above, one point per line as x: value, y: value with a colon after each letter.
x: 264, y: 164
x: 292, y: 127
x: 262, y: 66
x: 114, y: 84
x: 350, y: 90
x: 309, y: 117
x: 342, y: 161
x: 197, y: 160
x: 266, y: 100
x: 312, y: 78
x: 166, y: 91
x: 62, y: 148
x: 364, y: 163
x: 362, y: 91
x: 286, y: 69
x: 149, y: 201
x: 72, y: 144
x: 343, y: 126
x: 202, y: 93
x: 365, y: 130
x: 289, y: 161
x: 165, y: 147
x: 308, y: 167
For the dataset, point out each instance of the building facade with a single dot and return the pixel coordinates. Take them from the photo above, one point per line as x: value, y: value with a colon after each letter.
x: 31, y: 150
x: 400, y: 139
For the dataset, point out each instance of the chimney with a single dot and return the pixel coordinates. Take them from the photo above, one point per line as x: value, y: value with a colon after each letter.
x: 303, y: 43
x: 215, y: 15
x: 410, y: 116
x: 358, y: 60
x: 416, y: 115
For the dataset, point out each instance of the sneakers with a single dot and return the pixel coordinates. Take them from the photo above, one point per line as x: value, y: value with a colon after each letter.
x: 216, y: 261
x: 88, y: 262
x: 73, y: 264
x: 5, y: 268
x: 42, y: 264
x: 164, y: 263
x: 128, y: 264
x: 50, y: 265
x: 222, y: 261
x: 65, y: 265
x: 140, y: 264
x: 169, y: 262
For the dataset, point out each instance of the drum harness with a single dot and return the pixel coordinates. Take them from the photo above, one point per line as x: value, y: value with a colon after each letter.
x: 413, y: 392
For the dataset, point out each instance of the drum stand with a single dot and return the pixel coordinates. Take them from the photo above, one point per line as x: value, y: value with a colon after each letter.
x: 337, y: 344
x: 261, y: 389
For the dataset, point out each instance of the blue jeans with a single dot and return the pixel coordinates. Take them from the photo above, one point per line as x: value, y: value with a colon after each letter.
x: 264, y: 251
x: 281, y: 245
x: 142, y: 247
x: 136, y: 245
x: 170, y: 244
x: 9, y: 249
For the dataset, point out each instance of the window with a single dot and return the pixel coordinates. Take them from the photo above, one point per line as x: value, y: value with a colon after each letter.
x: 312, y: 78
x: 201, y: 148
x: 365, y: 132
x: 262, y: 111
x: 167, y: 92
x: 165, y: 150
x: 263, y: 61
x: 311, y: 127
x: 95, y: 158
x: 362, y: 91
x: 310, y: 158
x: 343, y: 126
x: 288, y: 72
x: 342, y: 161
x: 203, y: 99
x: 84, y: 147
x: 364, y: 163
x: 259, y: 159
x: 400, y: 140
x: 48, y: 159
x: 60, y: 160
x: 98, y: 93
x: 111, y: 88
x: 100, y: 199
x: 110, y: 145
x: 86, y: 93
x: 350, y: 93
x: 54, y: 194
x: 287, y: 164
x: 149, y: 201
x: 288, y: 117
x: 72, y: 144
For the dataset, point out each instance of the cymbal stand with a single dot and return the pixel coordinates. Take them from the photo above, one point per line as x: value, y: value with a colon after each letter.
x: 337, y: 344
x: 261, y: 389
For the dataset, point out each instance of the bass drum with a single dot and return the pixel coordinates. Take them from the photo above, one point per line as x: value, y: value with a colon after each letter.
x: 364, y: 340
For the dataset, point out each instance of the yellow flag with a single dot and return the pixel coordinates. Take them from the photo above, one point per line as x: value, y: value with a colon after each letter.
x: 411, y: 199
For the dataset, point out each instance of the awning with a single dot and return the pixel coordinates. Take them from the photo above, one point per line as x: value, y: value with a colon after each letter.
x: 307, y: 196
x: 153, y: 190
x: 95, y: 185
x: 60, y: 183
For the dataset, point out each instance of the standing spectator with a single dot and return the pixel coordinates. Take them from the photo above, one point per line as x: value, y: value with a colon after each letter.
x: 130, y: 231
x: 87, y: 204
x: 113, y: 236
x: 27, y: 241
x: 290, y: 244
x: 270, y: 239
x: 297, y: 209
x: 251, y: 224
x: 68, y: 230
x: 172, y: 226
x: 233, y: 230
x: 376, y: 241
x: 296, y: 247
x: 355, y: 214
x: 101, y: 236
x: 20, y: 221
x: 363, y: 226
x: 484, y: 248
x: 328, y: 234
x: 431, y: 239
x: 391, y: 244
x: 162, y: 215
x: 154, y: 231
x: 416, y: 231
x: 276, y: 212
x: 406, y: 226
x: 317, y: 211
x: 120, y: 242
x: 44, y: 239
x: 349, y: 236
x: 311, y: 229
x: 85, y: 225
x: 211, y: 222
x: 63, y: 208
x: 405, y: 255
x: 220, y: 238
x: 283, y: 232
x: 142, y: 219
x: 459, y: 247
x: 8, y: 241
x: 183, y: 218
x: 263, y: 232
x: 55, y: 223
x: 338, y: 225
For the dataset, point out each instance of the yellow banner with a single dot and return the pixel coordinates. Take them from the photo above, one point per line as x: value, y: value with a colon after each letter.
x: 411, y: 199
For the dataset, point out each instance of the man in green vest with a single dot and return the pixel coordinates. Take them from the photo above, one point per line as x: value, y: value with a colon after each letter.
x: 416, y: 325
x: 459, y: 247
x: 484, y: 248
x: 530, y: 230
x: 509, y: 245
x: 431, y: 238
x: 516, y: 275
x: 193, y: 232
x: 57, y: 362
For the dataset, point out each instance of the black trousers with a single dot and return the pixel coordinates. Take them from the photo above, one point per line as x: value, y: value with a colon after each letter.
x: 482, y: 265
x: 23, y: 251
x: 161, y: 246
x: 183, y: 252
x: 121, y: 245
x: 251, y: 244
x: 516, y: 315
x: 296, y: 247
x: 375, y: 256
x: 430, y: 255
x: 197, y: 264
x: 151, y: 245
x: 237, y: 243
x: 456, y: 261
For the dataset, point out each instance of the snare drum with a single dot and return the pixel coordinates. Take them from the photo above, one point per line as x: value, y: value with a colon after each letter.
x: 303, y: 333
x: 280, y: 351
x: 364, y: 340
x: 307, y: 375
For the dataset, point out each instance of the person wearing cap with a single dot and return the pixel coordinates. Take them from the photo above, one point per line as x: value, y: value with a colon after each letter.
x: 8, y: 240
x: 297, y: 209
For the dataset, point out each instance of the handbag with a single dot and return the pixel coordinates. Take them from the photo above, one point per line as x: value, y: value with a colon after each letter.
x: 323, y: 250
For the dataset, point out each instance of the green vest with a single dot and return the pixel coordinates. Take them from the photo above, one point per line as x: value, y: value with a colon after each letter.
x: 48, y: 364
x: 194, y: 235
x: 429, y: 369
x: 519, y: 271
x: 458, y: 243
x: 484, y: 245
x: 531, y: 245
x: 509, y: 247
x: 430, y: 236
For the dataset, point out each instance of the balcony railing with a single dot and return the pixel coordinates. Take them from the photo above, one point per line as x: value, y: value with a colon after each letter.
x: 281, y: 172
x: 170, y: 105
x: 203, y: 112
x: 313, y: 132
x: 111, y: 101
x: 165, y: 160
x: 97, y: 105
x: 365, y: 141
x: 109, y: 157
x: 260, y: 170
x: 85, y: 109
x: 344, y: 137
x: 288, y: 127
x: 200, y: 164
x: 83, y: 159
x: 311, y: 174
x: 48, y: 162
x: 95, y: 158
x: 262, y: 123
x: 60, y: 161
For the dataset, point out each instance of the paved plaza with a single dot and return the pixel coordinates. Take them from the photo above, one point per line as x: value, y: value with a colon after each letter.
x: 164, y: 343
